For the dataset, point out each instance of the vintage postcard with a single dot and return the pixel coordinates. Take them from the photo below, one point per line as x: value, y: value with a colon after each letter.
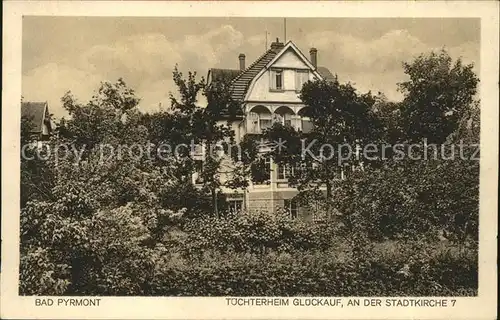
x: 249, y: 160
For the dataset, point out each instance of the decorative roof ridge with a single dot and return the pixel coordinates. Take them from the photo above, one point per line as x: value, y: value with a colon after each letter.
x: 252, y: 65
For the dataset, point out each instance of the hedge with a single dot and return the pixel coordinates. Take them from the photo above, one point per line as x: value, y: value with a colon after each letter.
x: 318, y: 274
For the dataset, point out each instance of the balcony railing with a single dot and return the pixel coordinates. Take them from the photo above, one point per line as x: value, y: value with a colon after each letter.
x: 258, y: 126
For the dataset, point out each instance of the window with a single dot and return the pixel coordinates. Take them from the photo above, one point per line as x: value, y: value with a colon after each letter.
x: 261, y: 170
x: 253, y: 122
x: 257, y: 122
x: 283, y: 119
x: 235, y: 206
x: 307, y: 125
x: 285, y: 171
x: 301, y: 77
x: 198, y: 169
x: 292, y: 208
x: 265, y: 124
x: 277, y: 79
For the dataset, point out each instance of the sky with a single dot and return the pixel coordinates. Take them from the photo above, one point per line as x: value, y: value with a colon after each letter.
x: 75, y: 54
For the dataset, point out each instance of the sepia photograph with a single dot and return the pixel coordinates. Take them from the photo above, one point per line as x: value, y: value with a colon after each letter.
x: 249, y: 157
x: 271, y: 161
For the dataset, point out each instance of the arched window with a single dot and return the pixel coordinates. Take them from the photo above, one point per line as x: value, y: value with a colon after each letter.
x: 305, y: 119
x: 284, y: 115
x: 259, y: 118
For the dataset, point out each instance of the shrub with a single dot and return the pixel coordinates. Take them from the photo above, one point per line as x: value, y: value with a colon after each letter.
x: 407, y: 198
x: 316, y: 273
x: 255, y: 233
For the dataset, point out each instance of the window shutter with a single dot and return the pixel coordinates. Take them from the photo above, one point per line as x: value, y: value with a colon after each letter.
x: 273, y: 79
x: 301, y: 77
x: 307, y: 125
x: 304, y: 78
x: 252, y: 122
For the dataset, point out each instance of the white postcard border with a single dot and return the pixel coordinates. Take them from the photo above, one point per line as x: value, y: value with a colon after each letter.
x: 13, y: 306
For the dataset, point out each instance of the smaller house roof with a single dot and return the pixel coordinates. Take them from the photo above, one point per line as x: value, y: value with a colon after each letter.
x: 36, y: 112
x: 223, y: 74
x: 325, y: 73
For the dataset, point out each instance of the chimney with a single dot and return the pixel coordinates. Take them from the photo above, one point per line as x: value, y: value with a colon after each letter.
x: 314, y: 57
x: 242, y: 61
x: 277, y: 46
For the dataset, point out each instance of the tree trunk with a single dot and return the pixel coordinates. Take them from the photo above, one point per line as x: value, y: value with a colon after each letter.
x: 328, y: 199
x: 215, y: 202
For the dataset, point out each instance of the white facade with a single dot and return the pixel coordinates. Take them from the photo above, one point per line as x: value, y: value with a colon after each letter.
x: 273, y: 96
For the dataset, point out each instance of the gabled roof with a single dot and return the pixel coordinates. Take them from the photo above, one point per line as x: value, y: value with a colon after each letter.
x: 325, y: 73
x: 291, y: 45
x: 36, y: 113
x: 242, y: 81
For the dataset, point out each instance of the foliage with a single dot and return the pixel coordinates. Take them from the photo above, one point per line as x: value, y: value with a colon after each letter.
x: 195, y: 127
x: 413, y: 199
x: 100, y: 220
x: 438, y: 94
x: 412, y: 270
x: 342, y: 118
x: 110, y: 114
x: 261, y: 232
x: 91, y: 232
x: 36, y: 179
x: 390, y: 119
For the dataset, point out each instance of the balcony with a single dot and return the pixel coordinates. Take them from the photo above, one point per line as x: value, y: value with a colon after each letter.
x: 260, y: 118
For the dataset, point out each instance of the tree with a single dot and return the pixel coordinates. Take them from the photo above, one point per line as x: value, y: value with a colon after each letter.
x: 388, y: 114
x: 190, y: 124
x: 342, y: 119
x: 437, y: 95
x: 408, y: 197
x: 101, y: 207
x: 36, y: 176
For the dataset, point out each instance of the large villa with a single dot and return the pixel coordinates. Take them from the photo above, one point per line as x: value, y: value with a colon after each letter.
x: 268, y: 90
